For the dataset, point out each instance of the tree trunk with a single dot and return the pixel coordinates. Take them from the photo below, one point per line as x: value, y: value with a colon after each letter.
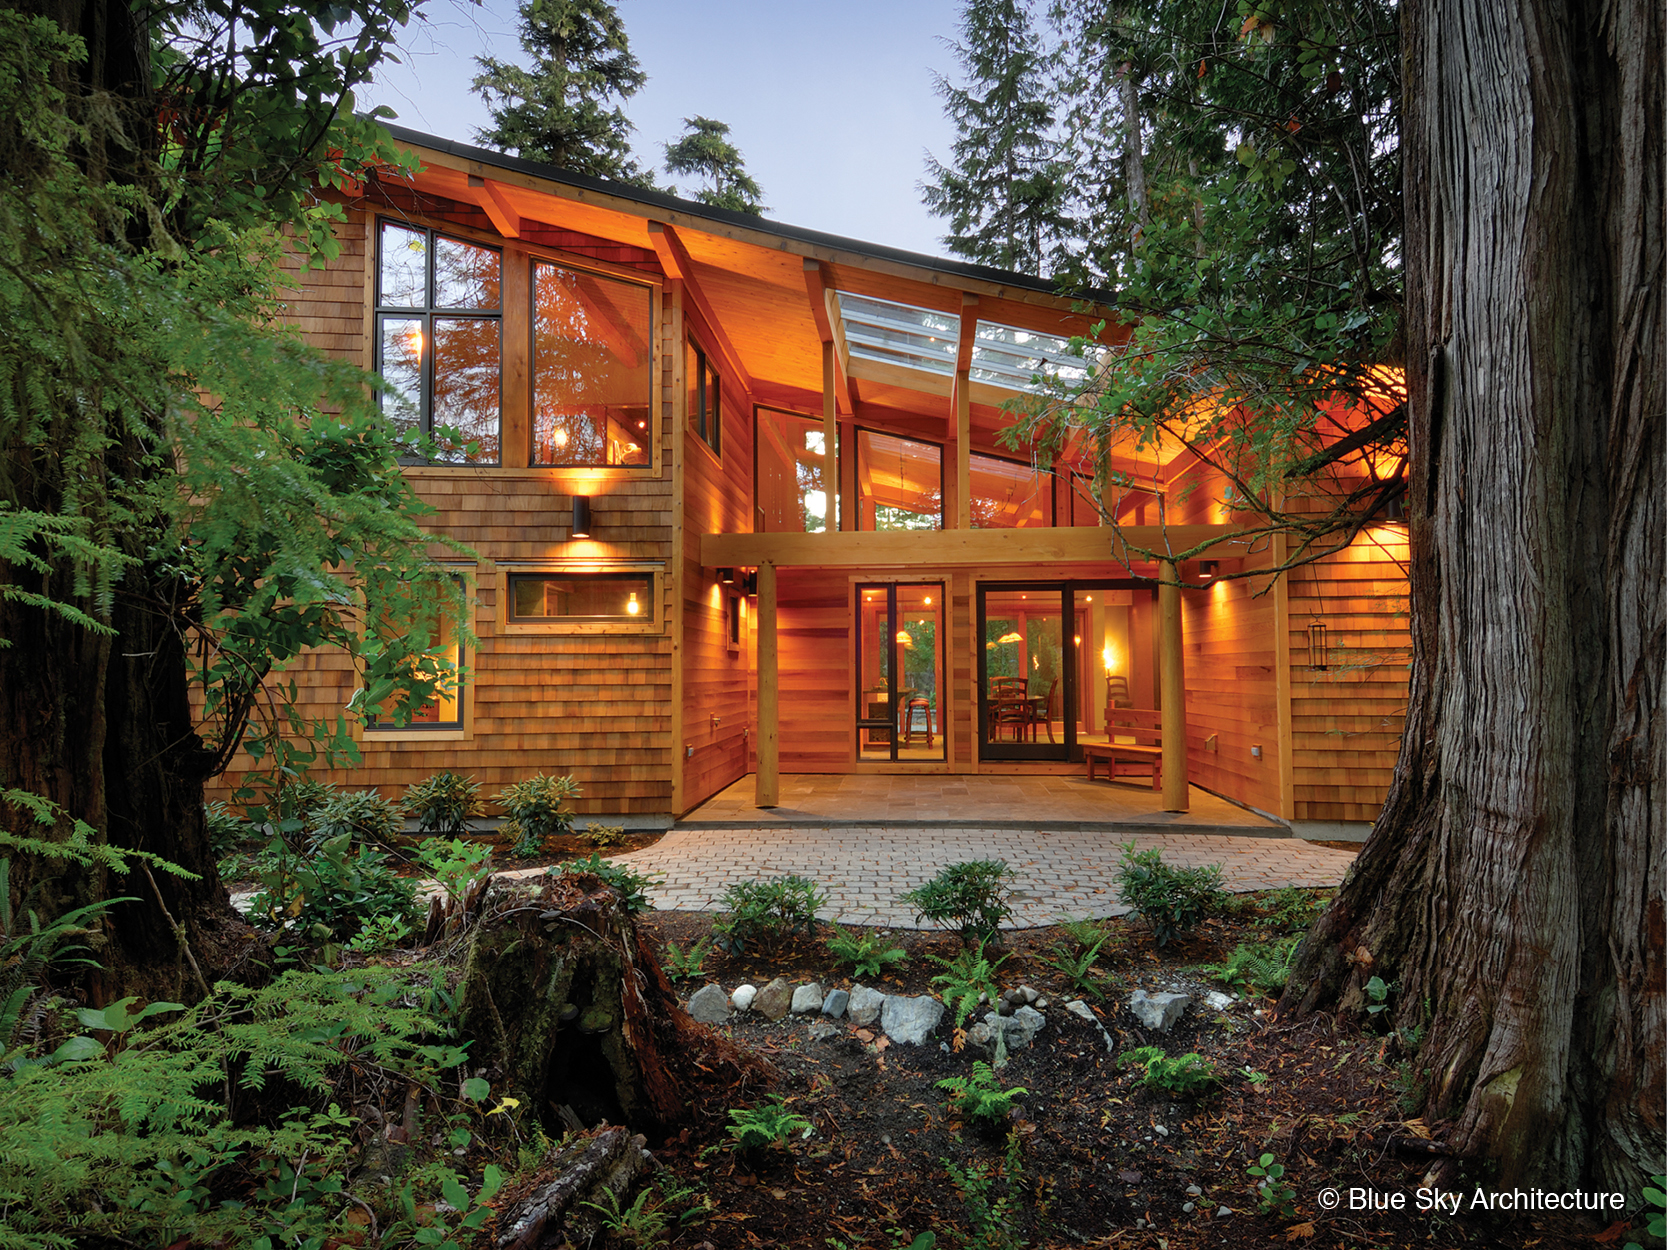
x: 1512, y: 889
x: 571, y: 1010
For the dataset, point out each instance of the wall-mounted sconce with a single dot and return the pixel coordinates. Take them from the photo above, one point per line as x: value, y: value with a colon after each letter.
x: 1317, y: 655
x: 1207, y: 568
x: 581, y: 516
x: 726, y: 576
x: 749, y: 583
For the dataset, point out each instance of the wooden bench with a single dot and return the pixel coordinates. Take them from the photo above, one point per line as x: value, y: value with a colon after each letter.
x: 1145, y: 726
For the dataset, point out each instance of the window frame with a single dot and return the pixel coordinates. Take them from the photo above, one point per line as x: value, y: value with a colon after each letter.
x: 1047, y: 493
x: 463, y: 728
x: 706, y: 366
x: 856, y: 449
x: 507, y: 625
x: 426, y: 313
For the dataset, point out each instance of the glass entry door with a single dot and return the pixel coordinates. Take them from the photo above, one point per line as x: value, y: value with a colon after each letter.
x: 900, y: 672
x: 1027, y: 679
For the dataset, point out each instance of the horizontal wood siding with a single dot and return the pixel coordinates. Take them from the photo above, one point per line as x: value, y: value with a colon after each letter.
x: 1346, y: 720
x: 1228, y: 639
x: 814, y: 628
x: 596, y: 705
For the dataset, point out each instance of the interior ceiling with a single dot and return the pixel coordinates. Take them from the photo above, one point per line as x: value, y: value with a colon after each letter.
x: 756, y: 285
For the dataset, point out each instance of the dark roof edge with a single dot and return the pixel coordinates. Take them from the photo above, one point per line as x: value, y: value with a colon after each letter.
x: 694, y: 208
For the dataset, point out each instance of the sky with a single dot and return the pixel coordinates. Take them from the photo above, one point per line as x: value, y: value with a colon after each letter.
x: 833, y: 106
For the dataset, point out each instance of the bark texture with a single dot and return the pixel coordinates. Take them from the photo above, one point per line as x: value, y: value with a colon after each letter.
x: 1513, y: 886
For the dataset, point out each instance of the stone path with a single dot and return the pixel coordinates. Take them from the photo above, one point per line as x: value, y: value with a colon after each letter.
x: 1060, y: 874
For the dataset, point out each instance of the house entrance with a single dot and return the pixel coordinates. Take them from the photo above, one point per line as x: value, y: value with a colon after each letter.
x: 900, y: 669
x: 1054, y: 658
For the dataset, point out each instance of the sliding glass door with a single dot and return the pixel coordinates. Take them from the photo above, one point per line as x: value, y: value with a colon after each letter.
x: 900, y: 672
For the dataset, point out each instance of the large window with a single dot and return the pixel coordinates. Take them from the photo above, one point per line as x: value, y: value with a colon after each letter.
x: 1007, y: 494
x: 900, y: 483
x: 794, y: 472
x: 592, y: 369
x: 441, y: 660
x: 705, y: 401
x: 439, y: 335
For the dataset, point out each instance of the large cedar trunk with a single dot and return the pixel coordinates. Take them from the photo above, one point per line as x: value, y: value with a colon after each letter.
x: 1513, y: 886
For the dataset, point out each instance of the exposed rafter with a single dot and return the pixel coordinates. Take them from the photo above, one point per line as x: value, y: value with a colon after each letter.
x: 824, y: 308
x: 674, y: 259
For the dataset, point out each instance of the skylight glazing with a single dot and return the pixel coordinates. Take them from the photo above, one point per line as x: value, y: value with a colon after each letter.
x: 900, y: 334
x: 1009, y: 357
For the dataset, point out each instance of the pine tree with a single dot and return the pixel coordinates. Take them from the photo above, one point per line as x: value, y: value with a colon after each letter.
x: 1004, y: 191
x: 558, y: 111
x: 705, y: 150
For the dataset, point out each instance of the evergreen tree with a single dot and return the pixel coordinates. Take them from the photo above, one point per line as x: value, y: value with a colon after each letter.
x: 705, y: 150
x: 1004, y: 190
x: 559, y: 111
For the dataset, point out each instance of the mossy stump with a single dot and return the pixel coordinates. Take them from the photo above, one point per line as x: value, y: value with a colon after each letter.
x: 571, y: 1011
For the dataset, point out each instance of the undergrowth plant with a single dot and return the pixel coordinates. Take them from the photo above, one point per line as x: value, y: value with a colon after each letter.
x: 631, y: 886
x: 971, y: 897
x: 1273, y: 1195
x: 991, y: 1217
x: 681, y: 965
x: 1170, y: 899
x: 455, y: 1227
x: 1076, y: 966
x: 1291, y: 909
x: 868, y: 953
x: 1184, y: 1076
x: 444, y: 804
x: 980, y: 1096
x: 456, y: 865
x: 534, y: 808
x: 363, y: 815
x: 1263, y: 967
x: 1654, y: 1212
x: 641, y: 1224
x: 966, y: 980
x: 770, y: 1124
x: 227, y: 831
x: 605, y: 837
x: 336, y: 886
x: 764, y: 912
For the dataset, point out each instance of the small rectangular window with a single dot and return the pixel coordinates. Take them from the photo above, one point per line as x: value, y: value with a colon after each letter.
x: 704, y: 399
x: 579, y: 598
x: 732, y: 620
x: 444, y: 663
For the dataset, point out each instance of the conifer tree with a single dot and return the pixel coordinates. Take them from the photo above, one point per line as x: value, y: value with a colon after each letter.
x: 1003, y: 190
x: 705, y: 150
x: 559, y: 110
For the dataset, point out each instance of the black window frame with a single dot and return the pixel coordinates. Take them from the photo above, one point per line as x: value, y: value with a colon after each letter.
x: 707, y: 420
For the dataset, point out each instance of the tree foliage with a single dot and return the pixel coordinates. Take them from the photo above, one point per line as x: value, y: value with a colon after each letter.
x: 185, y: 488
x: 1004, y: 189
x: 706, y: 152
x: 566, y: 109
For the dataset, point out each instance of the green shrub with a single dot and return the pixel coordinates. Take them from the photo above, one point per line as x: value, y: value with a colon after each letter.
x: 768, y: 1124
x: 630, y: 885
x: 867, y: 953
x: 1291, y: 909
x: 683, y: 965
x: 28, y: 950
x: 1171, y: 900
x: 534, y: 806
x: 135, y: 1143
x: 227, y: 831
x: 444, y: 804
x: 363, y: 815
x: 1076, y: 966
x: 971, y: 897
x: 455, y: 865
x: 335, y: 886
x: 1185, y: 1076
x: 966, y: 980
x: 766, y: 911
x: 603, y: 837
x: 1264, y: 967
x: 981, y: 1096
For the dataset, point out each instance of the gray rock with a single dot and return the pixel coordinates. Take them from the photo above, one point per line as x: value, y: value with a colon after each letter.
x: 1218, y: 1001
x: 807, y: 999
x: 1195, y: 1191
x: 1189, y: 1207
x: 908, y: 1021
x: 774, y: 1000
x: 1158, y: 1011
x: 983, y: 1033
x: 865, y: 1005
x: 835, y: 1003
x: 1028, y: 994
x: 1041, y: 1004
x: 1223, y: 1211
x: 710, y: 1005
x: 742, y: 998
x: 821, y: 1030
x: 1023, y: 1027
x: 1082, y: 1010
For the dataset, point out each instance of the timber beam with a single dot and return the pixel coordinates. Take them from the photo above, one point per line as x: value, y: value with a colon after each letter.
x: 674, y: 259
x: 496, y: 206
x: 955, y: 547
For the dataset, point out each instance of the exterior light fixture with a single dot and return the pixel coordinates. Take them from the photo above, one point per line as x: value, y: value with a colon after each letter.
x: 1207, y: 568
x: 726, y: 576
x: 1318, y: 656
x: 632, y: 607
x: 750, y: 583
x: 581, y: 516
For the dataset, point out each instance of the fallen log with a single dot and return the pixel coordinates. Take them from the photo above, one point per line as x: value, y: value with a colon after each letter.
x: 598, y: 1169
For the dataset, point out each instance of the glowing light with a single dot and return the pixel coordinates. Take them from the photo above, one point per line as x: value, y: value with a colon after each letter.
x: 904, y: 637
x: 1035, y: 661
x: 561, y: 437
x: 1108, y: 657
x: 928, y: 600
x: 1015, y: 636
x: 632, y: 607
x: 414, y: 340
x: 1078, y: 640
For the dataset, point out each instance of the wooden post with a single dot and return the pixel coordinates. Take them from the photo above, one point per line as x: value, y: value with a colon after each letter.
x: 1172, y: 676
x: 767, y: 788
x: 830, y: 439
x: 1282, y: 683
x: 963, y: 449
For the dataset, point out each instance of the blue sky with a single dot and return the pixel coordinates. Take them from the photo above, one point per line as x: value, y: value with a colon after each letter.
x: 832, y: 105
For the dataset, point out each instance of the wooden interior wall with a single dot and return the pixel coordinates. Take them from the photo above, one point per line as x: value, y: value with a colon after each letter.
x: 1346, y: 719
x: 593, y: 705
x: 717, y: 498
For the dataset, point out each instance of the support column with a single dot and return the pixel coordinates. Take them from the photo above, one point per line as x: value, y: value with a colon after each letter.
x: 767, y: 788
x: 963, y: 451
x: 830, y: 438
x: 1172, y: 677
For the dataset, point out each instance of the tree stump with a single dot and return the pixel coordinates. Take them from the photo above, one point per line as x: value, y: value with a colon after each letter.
x: 572, y: 1013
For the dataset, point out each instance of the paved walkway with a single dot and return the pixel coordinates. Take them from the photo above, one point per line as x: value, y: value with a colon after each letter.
x: 1060, y: 874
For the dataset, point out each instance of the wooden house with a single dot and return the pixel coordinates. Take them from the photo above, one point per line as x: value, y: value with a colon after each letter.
x: 678, y: 586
